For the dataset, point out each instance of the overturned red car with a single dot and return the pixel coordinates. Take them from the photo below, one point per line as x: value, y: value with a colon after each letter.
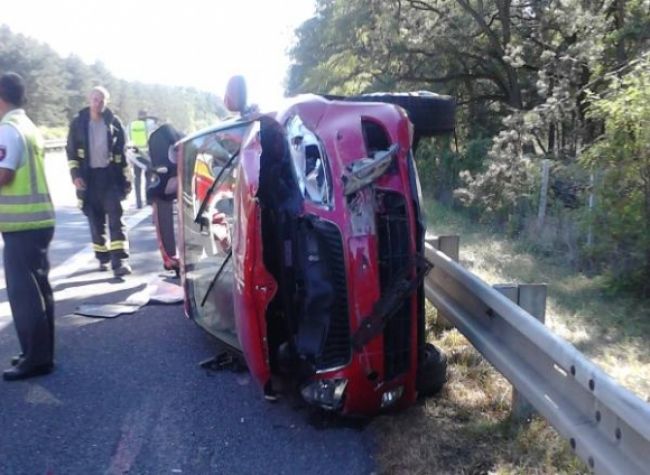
x: 302, y: 245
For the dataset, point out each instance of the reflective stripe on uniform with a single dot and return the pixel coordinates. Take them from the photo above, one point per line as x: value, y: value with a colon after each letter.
x: 37, y: 216
x: 24, y: 200
x: 119, y: 245
x: 99, y: 248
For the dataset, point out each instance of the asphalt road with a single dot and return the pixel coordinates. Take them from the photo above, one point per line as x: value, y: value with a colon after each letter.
x: 128, y: 396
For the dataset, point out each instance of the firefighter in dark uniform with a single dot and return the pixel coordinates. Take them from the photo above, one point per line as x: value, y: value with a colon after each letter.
x: 27, y: 227
x: 101, y: 177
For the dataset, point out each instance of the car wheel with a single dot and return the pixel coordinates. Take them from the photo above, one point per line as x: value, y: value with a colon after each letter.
x: 432, y: 372
x: 430, y: 113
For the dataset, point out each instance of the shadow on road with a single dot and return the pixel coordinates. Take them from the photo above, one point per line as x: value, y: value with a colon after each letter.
x: 68, y: 285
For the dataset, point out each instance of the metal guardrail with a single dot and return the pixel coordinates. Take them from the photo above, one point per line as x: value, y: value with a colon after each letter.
x: 608, y: 427
x: 54, y: 144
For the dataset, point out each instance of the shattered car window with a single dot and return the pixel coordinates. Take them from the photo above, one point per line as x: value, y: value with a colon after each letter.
x: 208, y: 242
x: 308, y: 159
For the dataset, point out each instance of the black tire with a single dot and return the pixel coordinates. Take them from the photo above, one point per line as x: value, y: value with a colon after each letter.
x: 432, y: 371
x: 430, y: 113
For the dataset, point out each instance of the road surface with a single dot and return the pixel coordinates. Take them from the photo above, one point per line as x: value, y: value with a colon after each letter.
x: 128, y: 396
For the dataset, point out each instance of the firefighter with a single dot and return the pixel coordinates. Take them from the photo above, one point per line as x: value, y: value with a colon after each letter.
x: 101, y: 176
x: 27, y: 226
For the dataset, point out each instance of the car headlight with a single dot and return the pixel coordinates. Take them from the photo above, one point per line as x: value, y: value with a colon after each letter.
x: 326, y: 393
x: 391, y: 396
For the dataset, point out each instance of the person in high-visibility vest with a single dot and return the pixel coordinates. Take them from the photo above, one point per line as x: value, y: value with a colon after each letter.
x: 102, y: 178
x: 139, y: 131
x: 27, y: 227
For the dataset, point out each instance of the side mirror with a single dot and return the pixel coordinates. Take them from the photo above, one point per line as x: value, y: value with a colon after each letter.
x: 235, y: 97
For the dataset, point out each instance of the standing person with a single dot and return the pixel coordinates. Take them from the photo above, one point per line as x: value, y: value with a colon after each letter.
x: 27, y: 226
x: 163, y: 192
x: 139, y: 131
x: 101, y: 177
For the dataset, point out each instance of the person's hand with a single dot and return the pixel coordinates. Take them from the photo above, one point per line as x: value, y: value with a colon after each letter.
x: 130, y: 155
x: 79, y: 184
x: 221, y: 231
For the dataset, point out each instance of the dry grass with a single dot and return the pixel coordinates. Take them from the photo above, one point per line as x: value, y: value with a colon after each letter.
x: 466, y: 429
x: 611, y: 330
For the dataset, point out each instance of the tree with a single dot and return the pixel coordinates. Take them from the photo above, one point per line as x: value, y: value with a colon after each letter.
x: 44, y: 77
x: 57, y: 88
x: 78, y: 84
x: 621, y: 155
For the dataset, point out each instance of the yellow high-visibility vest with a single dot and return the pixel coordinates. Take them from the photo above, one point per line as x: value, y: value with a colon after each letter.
x: 25, y: 203
x: 138, y: 133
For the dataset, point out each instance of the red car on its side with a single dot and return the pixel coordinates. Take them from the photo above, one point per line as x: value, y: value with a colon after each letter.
x: 305, y: 253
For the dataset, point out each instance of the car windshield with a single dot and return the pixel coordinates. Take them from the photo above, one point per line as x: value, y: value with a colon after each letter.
x: 308, y: 159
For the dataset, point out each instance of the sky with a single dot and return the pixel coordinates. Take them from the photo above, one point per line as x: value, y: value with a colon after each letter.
x: 193, y: 43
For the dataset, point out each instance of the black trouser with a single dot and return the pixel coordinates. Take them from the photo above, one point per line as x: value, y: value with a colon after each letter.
x: 30, y: 295
x: 137, y: 184
x: 103, y: 200
x: 164, y: 220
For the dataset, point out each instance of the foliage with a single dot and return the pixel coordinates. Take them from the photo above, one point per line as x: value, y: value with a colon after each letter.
x: 57, y: 88
x: 439, y: 164
x: 521, y: 71
x: 502, y: 190
x: 438, y: 167
x: 621, y: 156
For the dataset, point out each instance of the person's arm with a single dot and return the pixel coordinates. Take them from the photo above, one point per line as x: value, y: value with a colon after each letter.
x: 11, y: 153
x: 120, y: 142
x: 6, y: 176
x: 74, y: 160
x: 119, y: 153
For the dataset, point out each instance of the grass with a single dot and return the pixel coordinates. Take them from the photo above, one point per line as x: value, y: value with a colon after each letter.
x: 54, y: 132
x: 611, y: 330
x: 467, y: 429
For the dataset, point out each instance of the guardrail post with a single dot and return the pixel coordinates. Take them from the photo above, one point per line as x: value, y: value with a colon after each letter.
x: 532, y: 298
x: 450, y: 246
x: 52, y: 145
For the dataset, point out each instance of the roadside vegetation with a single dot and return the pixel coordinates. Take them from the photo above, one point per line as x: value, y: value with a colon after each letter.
x: 610, y: 328
x: 467, y: 429
x: 553, y: 135
x: 49, y: 133
x: 58, y: 87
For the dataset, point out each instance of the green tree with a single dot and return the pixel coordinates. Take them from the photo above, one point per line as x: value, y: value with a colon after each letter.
x: 79, y: 82
x: 43, y: 73
x: 621, y: 156
x: 58, y: 88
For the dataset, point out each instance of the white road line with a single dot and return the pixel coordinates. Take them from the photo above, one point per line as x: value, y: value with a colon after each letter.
x: 72, y: 264
x: 81, y: 257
